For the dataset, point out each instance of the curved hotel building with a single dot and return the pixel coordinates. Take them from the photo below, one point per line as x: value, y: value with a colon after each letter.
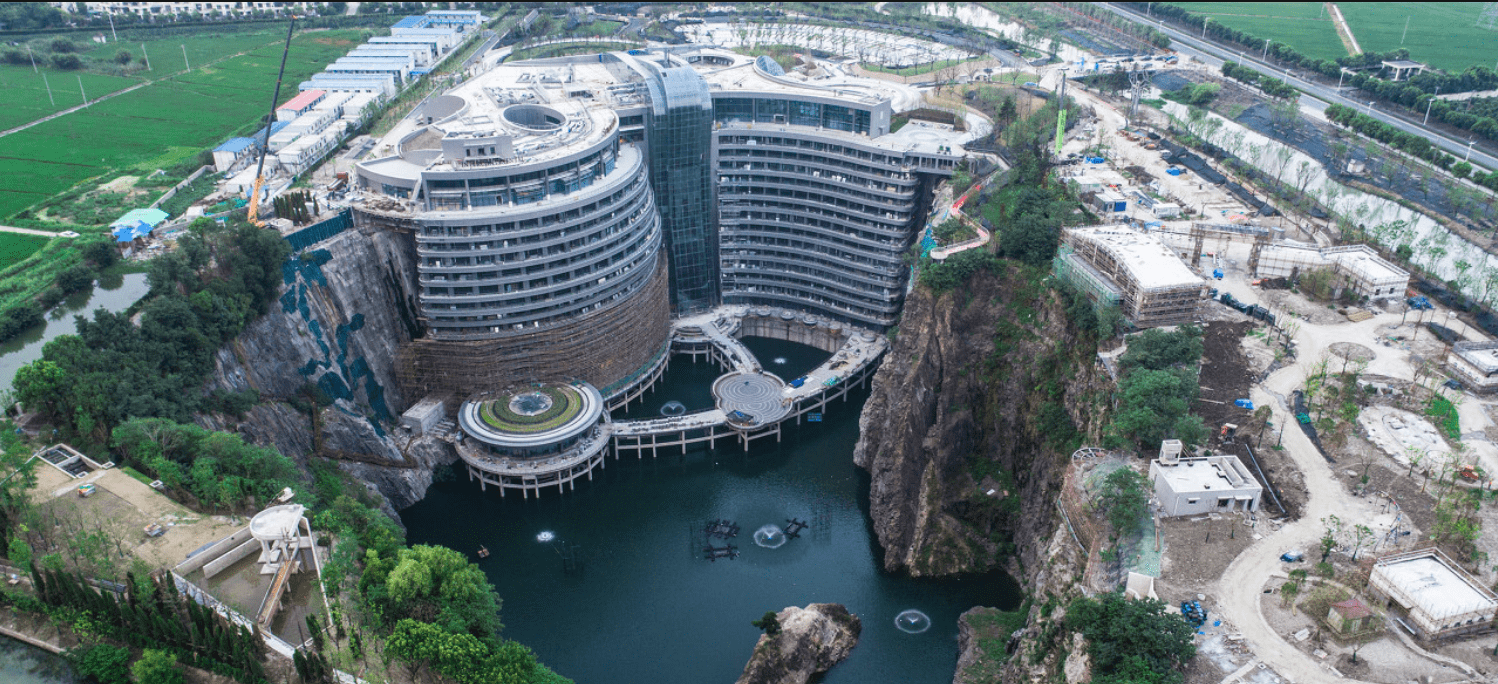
x: 564, y: 210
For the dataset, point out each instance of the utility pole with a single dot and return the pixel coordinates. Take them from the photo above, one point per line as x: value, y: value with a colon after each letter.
x: 184, y: 57
x: 33, y: 58
x: 49, y: 90
x: 146, y: 55
x: 111, y: 27
x: 1406, y: 30
x: 80, y: 89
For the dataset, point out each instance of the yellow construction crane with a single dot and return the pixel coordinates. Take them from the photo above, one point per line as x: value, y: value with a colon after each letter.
x: 254, y: 214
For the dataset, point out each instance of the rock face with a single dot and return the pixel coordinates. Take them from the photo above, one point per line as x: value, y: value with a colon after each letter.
x: 344, y: 310
x: 811, y: 640
x: 966, y: 432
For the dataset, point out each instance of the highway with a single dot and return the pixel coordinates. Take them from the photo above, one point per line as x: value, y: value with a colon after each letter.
x: 1316, y: 95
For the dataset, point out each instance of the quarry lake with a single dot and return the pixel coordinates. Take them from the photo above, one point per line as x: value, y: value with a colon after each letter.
x: 110, y: 294
x: 645, y: 606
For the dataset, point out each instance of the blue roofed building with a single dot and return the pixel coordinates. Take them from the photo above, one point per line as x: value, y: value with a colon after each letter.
x: 225, y: 156
x: 134, y: 225
x: 415, y: 21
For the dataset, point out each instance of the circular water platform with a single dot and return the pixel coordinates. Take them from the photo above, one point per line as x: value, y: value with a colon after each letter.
x: 751, y: 399
x: 527, y: 439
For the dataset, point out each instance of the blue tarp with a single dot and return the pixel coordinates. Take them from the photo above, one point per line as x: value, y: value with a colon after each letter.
x: 415, y: 21
x: 136, y: 223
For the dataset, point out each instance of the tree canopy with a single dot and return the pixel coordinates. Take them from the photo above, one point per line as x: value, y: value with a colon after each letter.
x: 1132, y: 642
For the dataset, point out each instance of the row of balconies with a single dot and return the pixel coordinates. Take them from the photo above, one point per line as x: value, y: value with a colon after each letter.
x: 629, y: 198
x: 806, y: 162
x: 541, y: 307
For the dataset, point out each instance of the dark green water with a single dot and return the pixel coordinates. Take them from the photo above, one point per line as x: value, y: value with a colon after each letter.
x: 22, y: 663
x: 647, y: 608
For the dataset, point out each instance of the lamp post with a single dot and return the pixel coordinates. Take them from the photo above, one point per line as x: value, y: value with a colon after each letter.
x: 1428, y: 104
x: 1340, y: 76
x: 1265, y: 56
x: 1206, y: 21
x: 1370, y: 108
x: 1470, y: 143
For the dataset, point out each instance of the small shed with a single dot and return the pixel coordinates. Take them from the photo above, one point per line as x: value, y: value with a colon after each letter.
x: 1349, y: 617
x: 424, y: 416
x: 135, y: 224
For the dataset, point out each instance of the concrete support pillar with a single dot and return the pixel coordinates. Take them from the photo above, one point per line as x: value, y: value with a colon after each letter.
x: 683, y: 442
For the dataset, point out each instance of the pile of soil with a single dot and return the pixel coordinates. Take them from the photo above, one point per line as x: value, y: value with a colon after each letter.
x: 1227, y: 375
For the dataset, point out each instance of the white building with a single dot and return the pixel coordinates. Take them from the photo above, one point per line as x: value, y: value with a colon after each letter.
x: 1361, y: 269
x: 1438, y: 600
x: 1475, y: 364
x: 1203, y: 484
x: 1152, y: 286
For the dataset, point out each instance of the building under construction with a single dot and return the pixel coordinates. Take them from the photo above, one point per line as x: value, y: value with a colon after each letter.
x: 1358, y: 268
x: 1475, y: 364
x: 1431, y: 596
x: 1148, y: 281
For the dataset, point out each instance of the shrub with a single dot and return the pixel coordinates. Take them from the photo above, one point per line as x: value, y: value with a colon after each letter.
x: 67, y: 62
x: 104, y: 663
x: 156, y: 667
x: 63, y: 45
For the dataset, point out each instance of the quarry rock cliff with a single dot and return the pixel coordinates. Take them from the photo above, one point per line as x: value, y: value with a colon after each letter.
x: 970, y: 421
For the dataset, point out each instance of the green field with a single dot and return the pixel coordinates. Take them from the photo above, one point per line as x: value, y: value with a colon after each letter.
x: 23, y: 94
x: 1301, y: 25
x: 159, y: 125
x: 1445, y: 35
x: 14, y: 247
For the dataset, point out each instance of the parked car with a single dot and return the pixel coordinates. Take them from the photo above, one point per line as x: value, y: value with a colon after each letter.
x: 1292, y: 556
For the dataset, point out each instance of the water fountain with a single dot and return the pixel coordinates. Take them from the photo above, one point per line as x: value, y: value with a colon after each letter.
x: 673, y: 408
x: 546, y: 536
x: 770, y: 537
x: 780, y: 361
x: 912, y: 622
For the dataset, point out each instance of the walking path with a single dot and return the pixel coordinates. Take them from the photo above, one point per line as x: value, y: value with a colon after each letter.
x: 1343, y: 30
x: 33, y: 231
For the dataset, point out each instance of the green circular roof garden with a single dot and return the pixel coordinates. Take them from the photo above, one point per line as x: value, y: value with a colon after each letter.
x: 533, y: 410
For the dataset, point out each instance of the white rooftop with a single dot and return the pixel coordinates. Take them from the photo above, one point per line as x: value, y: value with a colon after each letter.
x: 1212, y: 473
x: 1435, y: 587
x: 1147, y: 258
x: 277, y: 522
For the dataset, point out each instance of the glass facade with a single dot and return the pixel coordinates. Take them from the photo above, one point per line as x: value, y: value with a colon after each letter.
x: 679, y: 134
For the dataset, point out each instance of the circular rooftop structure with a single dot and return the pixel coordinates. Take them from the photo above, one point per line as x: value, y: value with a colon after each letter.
x: 534, y: 117
x: 750, y: 399
x: 534, y: 417
x: 277, y: 522
x: 443, y: 106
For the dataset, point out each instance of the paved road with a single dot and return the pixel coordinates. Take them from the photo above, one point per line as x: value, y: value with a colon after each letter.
x: 31, y: 231
x: 1213, y: 55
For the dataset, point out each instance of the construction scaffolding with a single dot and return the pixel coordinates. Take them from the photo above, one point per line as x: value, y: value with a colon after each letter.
x: 1358, y: 267
x: 1081, y: 275
x: 1475, y: 364
x: 1155, y: 288
x: 603, y: 348
x: 1438, y: 598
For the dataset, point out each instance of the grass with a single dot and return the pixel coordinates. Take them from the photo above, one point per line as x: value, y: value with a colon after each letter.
x: 1301, y: 25
x: 23, y: 93
x: 157, y: 126
x: 1444, y: 412
x: 918, y: 69
x: 15, y: 247
x: 1444, y: 35
x: 566, y: 403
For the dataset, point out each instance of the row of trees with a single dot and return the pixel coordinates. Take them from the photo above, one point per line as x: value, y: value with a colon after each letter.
x: 1272, y: 87
x: 299, y: 206
x: 217, y: 468
x: 1414, y: 145
x: 152, y: 613
x: 1413, y: 94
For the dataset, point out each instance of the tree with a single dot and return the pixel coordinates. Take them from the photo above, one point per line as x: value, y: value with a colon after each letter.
x: 1329, y: 539
x: 1124, y: 497
x: 67, y: 62
x: 123, y: 57
x: 156, y: 667
x: 1132, y: 641
x: 1362, y: 535
x: 1288, y: 592
x: 769, y: 622
x: 104, y: 663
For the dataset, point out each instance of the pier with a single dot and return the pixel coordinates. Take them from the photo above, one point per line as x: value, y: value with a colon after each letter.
x: 751, y: 402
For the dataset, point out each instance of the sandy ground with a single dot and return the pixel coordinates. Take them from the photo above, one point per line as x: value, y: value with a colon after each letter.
x: 124, y: 506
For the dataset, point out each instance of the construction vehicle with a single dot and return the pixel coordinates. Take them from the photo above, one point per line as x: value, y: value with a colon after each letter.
x: 1470, y: 473
x: 254, y: 215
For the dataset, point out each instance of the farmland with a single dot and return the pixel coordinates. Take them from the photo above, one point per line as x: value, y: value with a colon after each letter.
x: 23, y: 94
x: 162, y: 124
x: 1301, y: 25
x: 14, y: 247
x: 1445, y: 35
